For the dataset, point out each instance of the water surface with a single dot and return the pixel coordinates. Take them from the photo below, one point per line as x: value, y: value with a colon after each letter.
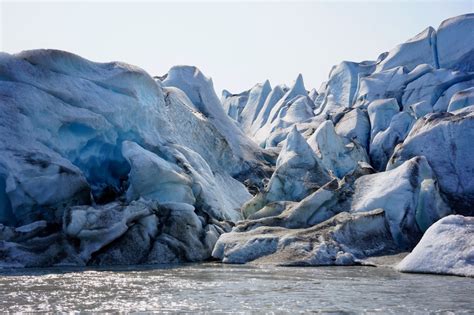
x: 213, y: 287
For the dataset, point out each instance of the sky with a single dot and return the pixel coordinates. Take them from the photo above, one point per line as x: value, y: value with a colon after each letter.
x: 236, y: 43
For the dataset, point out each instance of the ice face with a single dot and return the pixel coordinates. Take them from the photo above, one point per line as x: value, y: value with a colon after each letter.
x: 421, y: 49
x: 445, y: 140
x: 66, y: 119
x: 461, y: 99
x: 384, y: 142
x: 200, y: 91
x: 335, y: 155
x: 257, y: 96
x: 154, y: 178
x: 298, y: 172
x: 401, y: 193
x: 342, y: 86
x: 277, y: 111
x: 455, y: 50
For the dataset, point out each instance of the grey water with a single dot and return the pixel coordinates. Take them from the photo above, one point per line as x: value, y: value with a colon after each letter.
x: 218, y: 288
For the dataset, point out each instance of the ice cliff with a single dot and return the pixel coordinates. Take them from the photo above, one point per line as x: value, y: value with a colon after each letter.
x: 104, y: 155
x: 102, y: 164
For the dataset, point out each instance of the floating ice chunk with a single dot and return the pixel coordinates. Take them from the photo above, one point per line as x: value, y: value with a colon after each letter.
x: 447, y: 247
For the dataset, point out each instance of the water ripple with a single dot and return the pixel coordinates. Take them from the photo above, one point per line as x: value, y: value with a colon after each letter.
x: 218, y: 288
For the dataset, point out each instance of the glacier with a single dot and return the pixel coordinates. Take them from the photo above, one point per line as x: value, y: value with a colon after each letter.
x: 102, y: 164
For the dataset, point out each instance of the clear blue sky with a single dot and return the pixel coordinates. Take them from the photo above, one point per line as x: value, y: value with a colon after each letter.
x: 236, y: 43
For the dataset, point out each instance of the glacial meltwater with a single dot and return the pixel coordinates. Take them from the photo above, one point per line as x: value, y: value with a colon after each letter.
x: 212, y: 287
